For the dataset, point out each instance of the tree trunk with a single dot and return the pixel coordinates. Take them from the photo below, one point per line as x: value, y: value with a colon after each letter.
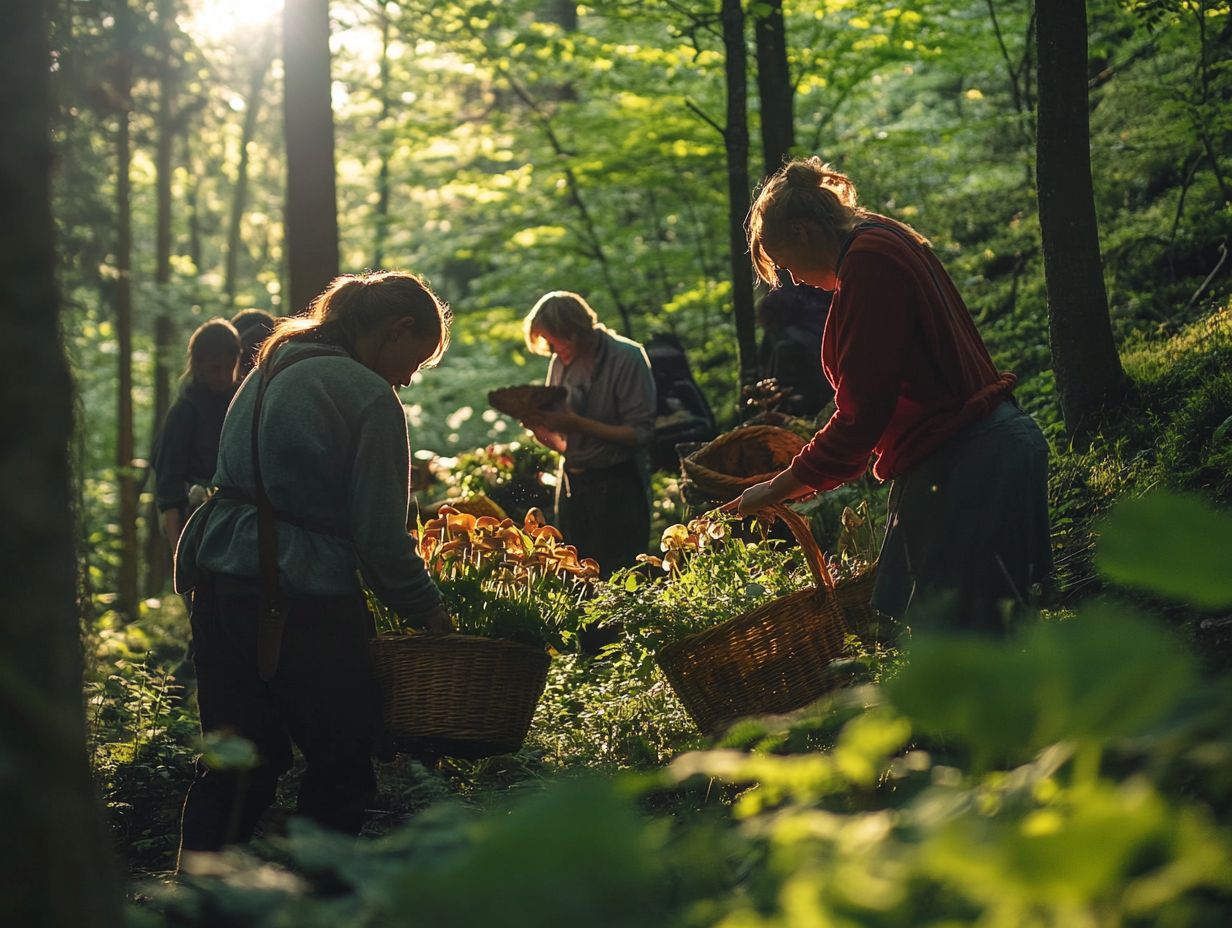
x: 55, y: 865
x: 127, y: 593
x: 239, y: 196
x: 385, y: 141
x: 775, y: 90
x: 311, y: 208
x: 1084, y: 355
x: 192, y: 197
x: 156, y: 559
x: 736, y: 138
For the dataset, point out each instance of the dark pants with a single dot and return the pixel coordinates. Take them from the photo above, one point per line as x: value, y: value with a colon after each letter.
x: 323, y: 698
x: 967, y: 531
x: 605, y: 513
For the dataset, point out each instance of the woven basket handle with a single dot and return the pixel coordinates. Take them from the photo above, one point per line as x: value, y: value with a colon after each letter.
x: 799, y: 528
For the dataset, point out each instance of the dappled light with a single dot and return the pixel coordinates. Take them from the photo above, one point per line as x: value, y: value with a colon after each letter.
x: 679, y: 462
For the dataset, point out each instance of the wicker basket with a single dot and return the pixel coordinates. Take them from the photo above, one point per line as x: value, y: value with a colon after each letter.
x: 521, y: 401
x: 772, y: 659
x: 854, y: 595
x: 736, y: 460
x: 457, y: 695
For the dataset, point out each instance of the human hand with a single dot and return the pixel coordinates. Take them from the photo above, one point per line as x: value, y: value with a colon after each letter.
x: 559, y: 421
x: 759, y: 497
x: 438, y: 620
x: 544, y: 435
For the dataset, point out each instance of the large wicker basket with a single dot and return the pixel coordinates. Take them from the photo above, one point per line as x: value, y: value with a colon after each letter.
x: 457, y: 695
x: 772, y: 659
x: 736, y: 460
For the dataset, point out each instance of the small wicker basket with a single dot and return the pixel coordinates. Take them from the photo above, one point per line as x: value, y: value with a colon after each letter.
x: 736, y: 460
x: 522, y: 400
x: 769, y: 660
x: 457, y: 695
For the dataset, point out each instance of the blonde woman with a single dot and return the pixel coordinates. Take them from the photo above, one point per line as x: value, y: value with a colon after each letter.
x: 915, y: 387
x: 602, y: 430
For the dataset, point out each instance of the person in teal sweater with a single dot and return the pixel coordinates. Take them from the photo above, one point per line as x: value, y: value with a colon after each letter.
x: 334, y: 463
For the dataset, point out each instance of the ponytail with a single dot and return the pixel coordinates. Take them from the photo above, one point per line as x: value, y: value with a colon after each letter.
x: 357, y: 303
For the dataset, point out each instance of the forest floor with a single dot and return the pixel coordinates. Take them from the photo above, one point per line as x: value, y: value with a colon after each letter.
x: 609, y: 715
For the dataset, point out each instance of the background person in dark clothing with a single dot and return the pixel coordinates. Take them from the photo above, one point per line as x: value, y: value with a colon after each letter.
x: 792, y: 317
x: 914, y: 385
x: 186, y: 449
x: 334, y: 461
x: 254, y: 327
x: 603, y: 431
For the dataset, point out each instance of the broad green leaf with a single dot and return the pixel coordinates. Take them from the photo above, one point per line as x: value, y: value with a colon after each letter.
x: 1170, y: 544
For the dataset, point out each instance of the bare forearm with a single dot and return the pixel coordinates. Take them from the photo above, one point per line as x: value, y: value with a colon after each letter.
x: 623, y: 435
x: 783, y: 486
x: 789, y: 485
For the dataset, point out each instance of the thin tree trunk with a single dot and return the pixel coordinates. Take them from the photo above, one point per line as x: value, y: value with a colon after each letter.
x: 55, y: 865
x: 736, y: 138
x: 127, y: 592
x: 385, y: 136
x: 239, y: 196
x: 192, y: 197
x: 156, y: 560
x: 311, y: 207
x: 775, y: 90
x: 1084, y: 355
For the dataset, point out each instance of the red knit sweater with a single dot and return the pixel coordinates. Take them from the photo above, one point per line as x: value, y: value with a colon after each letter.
x: 908, y: 367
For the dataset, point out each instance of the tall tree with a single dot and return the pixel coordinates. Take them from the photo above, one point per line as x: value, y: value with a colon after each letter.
x: 775, y: 90
x: 1084, y: 356
x: 386, y: 143
x: 55, y: 868
x: 122, y: 290
x: 156, y: 560
x: 311, y: 216
x: 736, y: 141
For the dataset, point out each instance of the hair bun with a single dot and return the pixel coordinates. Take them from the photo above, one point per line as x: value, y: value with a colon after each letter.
x: 806, y: 172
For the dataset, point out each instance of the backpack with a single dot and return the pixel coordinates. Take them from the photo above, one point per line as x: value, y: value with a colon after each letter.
x: 682, y: 414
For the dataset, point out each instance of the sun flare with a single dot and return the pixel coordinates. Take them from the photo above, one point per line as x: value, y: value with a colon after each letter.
x: 219, y: 19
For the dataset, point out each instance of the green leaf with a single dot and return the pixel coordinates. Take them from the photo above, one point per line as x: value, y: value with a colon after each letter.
x: 1173, y: 545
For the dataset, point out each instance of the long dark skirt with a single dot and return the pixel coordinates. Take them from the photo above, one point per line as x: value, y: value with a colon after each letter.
x: 323, y: 698
x: 967, y: 536
x: 605, y: 512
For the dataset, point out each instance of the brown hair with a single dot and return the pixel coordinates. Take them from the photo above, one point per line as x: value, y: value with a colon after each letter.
x: 357, y: 303
x: 805, y: 196
x: 215, y: 338
x: 560, y: 313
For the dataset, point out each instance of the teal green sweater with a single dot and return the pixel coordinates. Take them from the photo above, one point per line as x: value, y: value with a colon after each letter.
x: 334, y: 454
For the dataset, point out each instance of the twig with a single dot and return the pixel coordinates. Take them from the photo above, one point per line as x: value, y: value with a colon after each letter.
x: 1223, y: 256
x: 697, y: 111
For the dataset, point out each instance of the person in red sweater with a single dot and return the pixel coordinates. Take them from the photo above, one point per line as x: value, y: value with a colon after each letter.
x: 916, y: 388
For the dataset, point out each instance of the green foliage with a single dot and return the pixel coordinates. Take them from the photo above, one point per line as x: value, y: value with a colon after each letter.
x: 1169, y: 544
x: 708, y: 574
x: 480, y: 611
x: 1073, y: 775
